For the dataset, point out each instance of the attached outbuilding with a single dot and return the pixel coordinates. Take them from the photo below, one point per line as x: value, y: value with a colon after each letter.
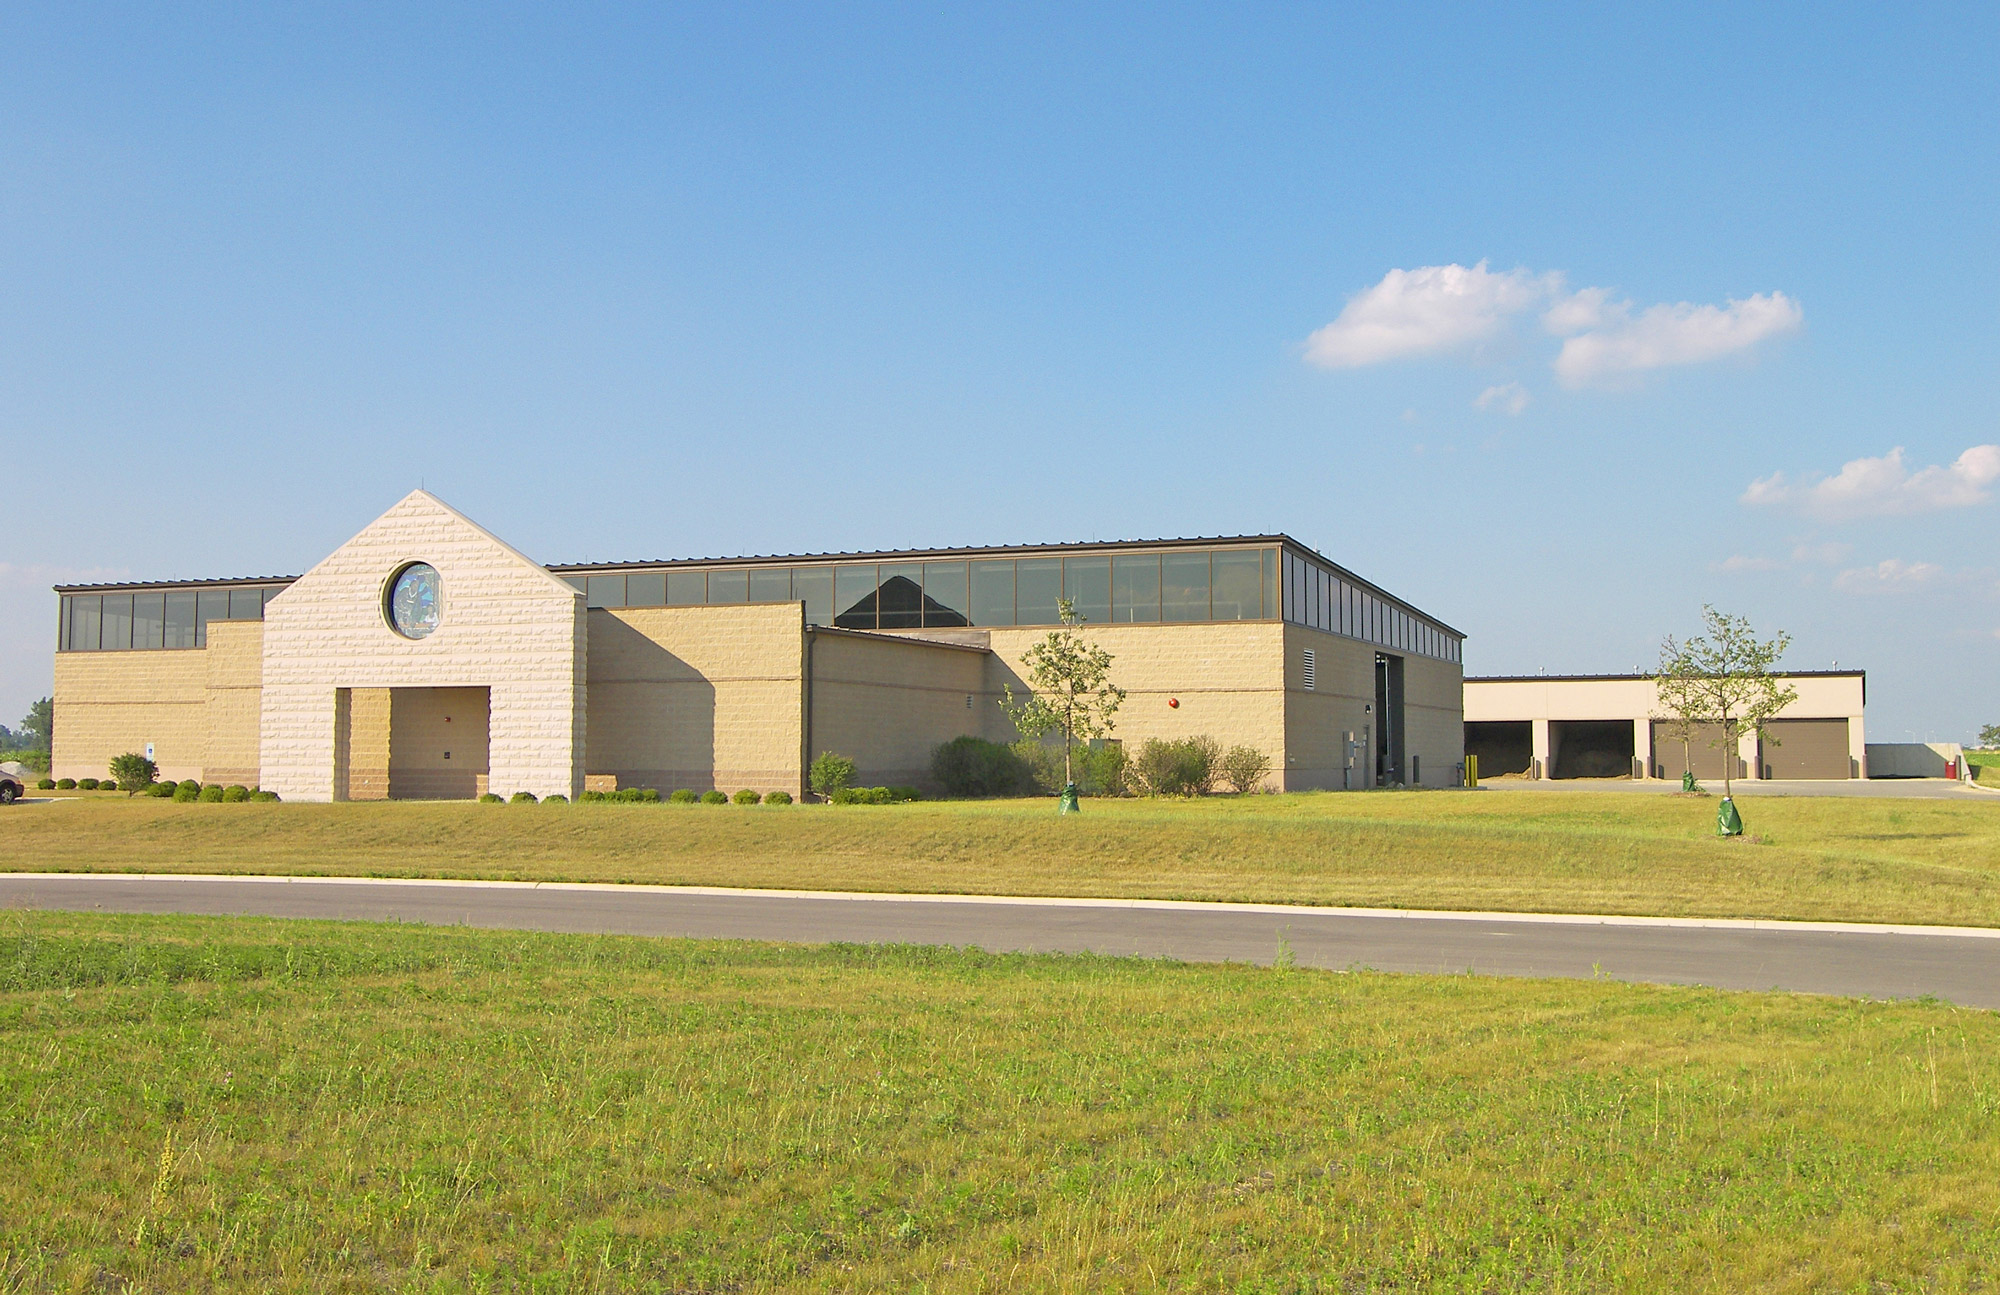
x: 1612, y: 726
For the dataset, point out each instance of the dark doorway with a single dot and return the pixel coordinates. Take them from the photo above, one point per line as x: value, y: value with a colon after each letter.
x: 1503, y: 746
x: 1389, y: 753
x: 1591, y: 748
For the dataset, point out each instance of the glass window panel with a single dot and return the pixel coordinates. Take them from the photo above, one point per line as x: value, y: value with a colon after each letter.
x: 1184, y: 587
x: 1269, y: 610
x: 770, y: 584
x: 1346, y: 608
x: 728, y: 587
x: 209, y: 605
x: 116, y: 634
x: 813, y: 586
x: 180, y: 619
x: 582, y: 583
x: 1135, y: 589
x: 945, y: 602
x: 605, y: 591
x: 645, y: 588
x: 63, y: 613
x: 1087, y: 583
x: 687, y: 588
x: 854, y: 596
x: 86, y: 614
x: 899, y: 597
x: 1294, y: 589
x: 993, y: 592
x: 1037, y: 587
x: 149, y: 614
x: 246, y: 604
x: 1239, y: 584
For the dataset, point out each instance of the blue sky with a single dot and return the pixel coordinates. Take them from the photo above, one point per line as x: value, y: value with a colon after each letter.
x: 1557, y: 321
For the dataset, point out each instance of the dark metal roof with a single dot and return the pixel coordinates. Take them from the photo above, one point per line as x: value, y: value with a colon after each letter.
x: 228, y: 582
x: 876, y: 555
x: 1634, y: 678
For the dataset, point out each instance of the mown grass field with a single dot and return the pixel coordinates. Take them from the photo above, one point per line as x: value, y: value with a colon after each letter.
x: 242, y: 1104
x: 1985, y: 766
x: 1820, y: 858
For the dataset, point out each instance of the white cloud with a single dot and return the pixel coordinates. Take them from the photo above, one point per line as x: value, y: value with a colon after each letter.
x: 1826, y: 555
x: 1422, y: 311
x: 1889, y: 576
x: 1508, y: 398
x: 1742, y: 562
x: 1884, y: 487
x: 1614, y: 343
x: 1439, y: 309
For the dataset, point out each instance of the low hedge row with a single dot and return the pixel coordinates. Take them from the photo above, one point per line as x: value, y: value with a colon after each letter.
x: 645, y: 796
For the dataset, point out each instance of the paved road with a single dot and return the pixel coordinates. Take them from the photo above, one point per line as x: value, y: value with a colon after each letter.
x: 1957, y: 964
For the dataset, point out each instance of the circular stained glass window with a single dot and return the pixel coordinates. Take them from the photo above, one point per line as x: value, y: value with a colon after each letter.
x: 415, y: 600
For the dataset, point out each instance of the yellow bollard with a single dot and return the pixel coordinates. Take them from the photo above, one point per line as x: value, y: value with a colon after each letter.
x: 1472, y: 771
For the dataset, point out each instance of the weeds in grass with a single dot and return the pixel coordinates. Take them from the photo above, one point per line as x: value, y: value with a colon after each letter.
x: 379, y: 1107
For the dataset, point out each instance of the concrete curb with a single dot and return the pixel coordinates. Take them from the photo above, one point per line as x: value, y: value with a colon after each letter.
x: 1048, y: 901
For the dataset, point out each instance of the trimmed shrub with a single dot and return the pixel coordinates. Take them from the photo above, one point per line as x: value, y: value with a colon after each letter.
x: 187, y: 793
x: 1105, y: 770
x: 189, y: 783
x: 87, y: 784
x: 162, y: 790
x: 590, y: 798
x: 875, y: 795
x: 635, y: 796
x: 829, y: 773
x: 211, y: 794
x: 778, y: 798
x: 66, y: 784
x: 557, y: 799
x: 1182, y: 767
x: 972, y: 766
x: 107, y: 784
x: 684, y: 797
x: 714, y: 798
x: 235, y: 794
x: 521, y: 798
x: 1244, y: 768
x: 485, y: 798
x: 747, y: 797
x: 46, y: 784
x: 264, y: 797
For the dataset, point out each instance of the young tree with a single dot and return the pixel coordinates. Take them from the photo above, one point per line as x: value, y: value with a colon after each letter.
x: 133, y: 771
x: 1729, y: 669
x: 1678, y: 703
x: 830, y: 772
x: 1067, y: 673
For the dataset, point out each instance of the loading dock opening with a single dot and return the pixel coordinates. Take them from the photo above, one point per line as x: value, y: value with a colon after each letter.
x: 1503, y: 746
x: 1590, y: 748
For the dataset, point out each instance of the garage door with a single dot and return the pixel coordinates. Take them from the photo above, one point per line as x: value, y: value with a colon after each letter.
x: 1806, y: 748
x: 1669, y: 761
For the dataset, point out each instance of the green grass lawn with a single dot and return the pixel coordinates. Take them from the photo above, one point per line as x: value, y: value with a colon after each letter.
x: 243, y: 1104
x: 1985, y: 766
x: 1854, y: 859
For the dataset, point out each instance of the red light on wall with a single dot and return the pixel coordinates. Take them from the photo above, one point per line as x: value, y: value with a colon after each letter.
x: 1174, y: 703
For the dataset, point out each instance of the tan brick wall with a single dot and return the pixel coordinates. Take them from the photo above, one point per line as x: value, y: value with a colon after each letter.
x: 1434, y: 717
x: 697, y: 697
x: 235, y: 655
x: 437, y: 742
x: 886, y: 702
x: 108, y: 703
x: 507, y: 625
x: 365, y: 742
x: 1227, y: 677
x: 1318, y: 722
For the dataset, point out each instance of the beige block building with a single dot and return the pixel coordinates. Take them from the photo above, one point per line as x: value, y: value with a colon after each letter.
x: 427, y: 659
x: 1612, y: 726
